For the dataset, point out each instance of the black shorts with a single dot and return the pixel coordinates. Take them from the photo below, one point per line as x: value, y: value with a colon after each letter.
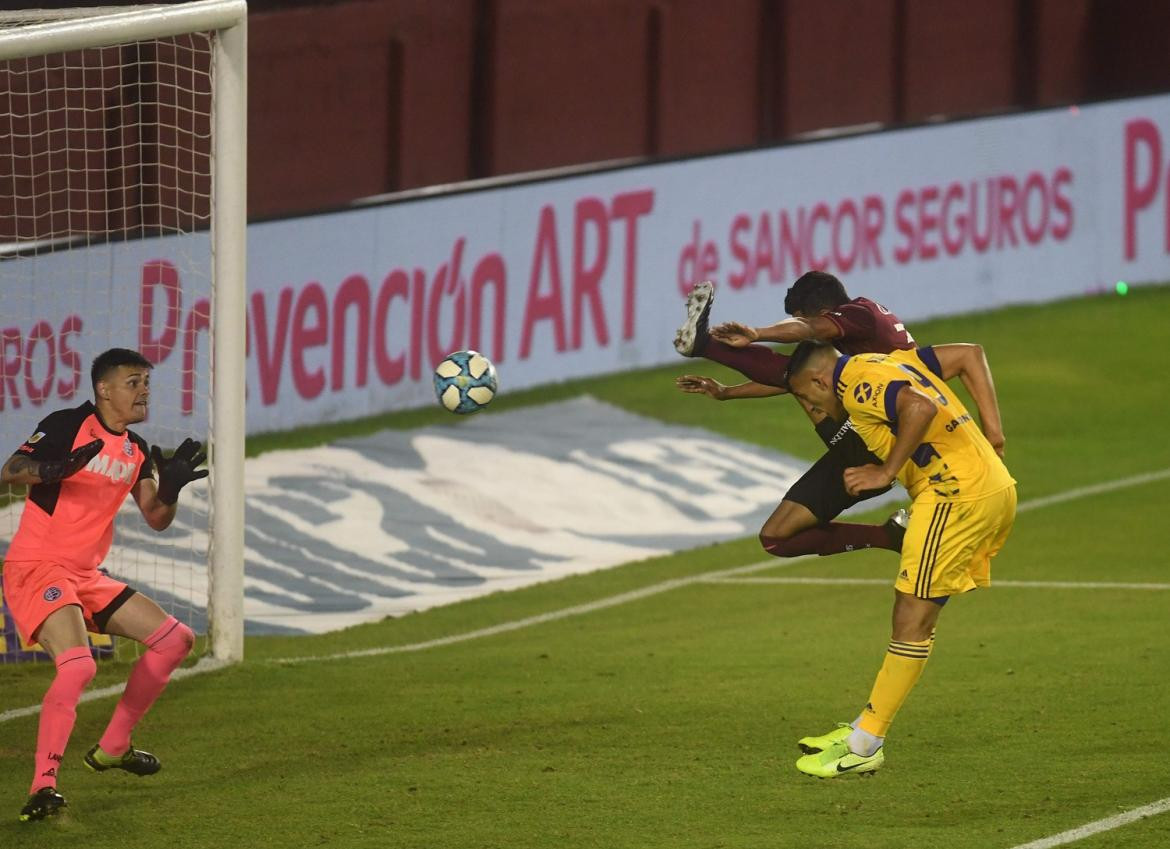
x: 822, y: 488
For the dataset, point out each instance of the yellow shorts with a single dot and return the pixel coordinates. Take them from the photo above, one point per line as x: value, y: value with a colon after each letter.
x: 949, y: 544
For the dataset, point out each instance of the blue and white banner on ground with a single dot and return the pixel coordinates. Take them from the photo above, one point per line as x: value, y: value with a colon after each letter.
x: 406, y: 520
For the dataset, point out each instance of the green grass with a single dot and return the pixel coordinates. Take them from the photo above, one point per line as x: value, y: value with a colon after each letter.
x: 670, y: 721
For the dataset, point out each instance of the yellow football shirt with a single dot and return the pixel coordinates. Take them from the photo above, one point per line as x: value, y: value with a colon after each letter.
x: 955, y: 462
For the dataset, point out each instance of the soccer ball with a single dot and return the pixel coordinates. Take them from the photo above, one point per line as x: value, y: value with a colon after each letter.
x: 465, y: 382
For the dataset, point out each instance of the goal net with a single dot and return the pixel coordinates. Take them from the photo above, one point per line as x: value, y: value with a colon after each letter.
x: 122, y: 225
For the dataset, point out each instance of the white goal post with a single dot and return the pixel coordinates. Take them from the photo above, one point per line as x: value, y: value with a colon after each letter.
x: 51, y: 226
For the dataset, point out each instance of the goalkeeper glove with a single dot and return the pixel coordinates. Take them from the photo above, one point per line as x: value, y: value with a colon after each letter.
x: 178, y: 471
x: 52, y: 471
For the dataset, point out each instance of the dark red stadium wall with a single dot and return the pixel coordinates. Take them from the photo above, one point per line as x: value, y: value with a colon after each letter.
x: 359, y: 98
x: 709, y: 80
x: 356, y: 99
x: 834, y: 64
x: 570, y: 83
x: 585, y: 80
x: 959, y: 57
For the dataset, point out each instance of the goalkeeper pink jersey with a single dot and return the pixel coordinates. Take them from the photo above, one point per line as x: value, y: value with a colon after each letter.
x: 72, y: 522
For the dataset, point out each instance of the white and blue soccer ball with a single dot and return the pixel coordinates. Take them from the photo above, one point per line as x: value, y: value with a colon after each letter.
x: 465, y: 382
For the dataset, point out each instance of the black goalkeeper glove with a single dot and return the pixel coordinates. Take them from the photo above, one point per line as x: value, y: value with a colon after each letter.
x: 178, y: 471
x: 52, y: 471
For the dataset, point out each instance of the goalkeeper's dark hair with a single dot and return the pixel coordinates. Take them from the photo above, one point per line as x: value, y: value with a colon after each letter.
x: 814, y: 291
x: 801, y: 355
x: 107, y: 361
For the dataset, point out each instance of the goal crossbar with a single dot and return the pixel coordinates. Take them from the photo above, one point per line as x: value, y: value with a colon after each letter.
x: 105, y: 30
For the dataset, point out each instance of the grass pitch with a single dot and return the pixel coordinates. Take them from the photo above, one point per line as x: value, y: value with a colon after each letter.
x: 670, y: 720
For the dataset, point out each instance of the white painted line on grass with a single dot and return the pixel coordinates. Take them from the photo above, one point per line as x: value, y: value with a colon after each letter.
x: 209, y: 665
x: 1098, y: 826
x: 205, y: 664
x: 884, y: 582
x: 554, y: 615
x: 1095, y: 489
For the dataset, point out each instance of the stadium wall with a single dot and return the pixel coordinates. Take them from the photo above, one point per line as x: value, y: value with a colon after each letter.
x: 583, y: 275
x: 359, y: 98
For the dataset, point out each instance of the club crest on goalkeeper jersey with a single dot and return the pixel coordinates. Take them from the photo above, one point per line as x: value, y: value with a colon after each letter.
x: 955, y: 462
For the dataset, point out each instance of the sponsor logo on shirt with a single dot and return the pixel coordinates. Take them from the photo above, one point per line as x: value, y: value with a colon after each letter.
x: 115, y: 470
x: 863, y: 392
x: 128, y: 447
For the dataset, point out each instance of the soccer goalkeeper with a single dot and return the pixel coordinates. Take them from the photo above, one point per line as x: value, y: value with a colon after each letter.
x: 79, y: 465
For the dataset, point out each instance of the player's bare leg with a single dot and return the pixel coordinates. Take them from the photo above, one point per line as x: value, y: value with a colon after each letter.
x: 63, y: 636
x: 914, y: 618
x: 64, y: 629
x: 167, y: 642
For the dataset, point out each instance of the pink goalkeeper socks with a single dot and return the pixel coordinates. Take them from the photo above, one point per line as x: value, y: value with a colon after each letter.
x: 166, y: 649
x: 75, y: 669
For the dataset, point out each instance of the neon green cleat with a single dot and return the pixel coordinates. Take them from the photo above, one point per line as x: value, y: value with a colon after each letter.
x: 837, y: 760
x: 812, y: 745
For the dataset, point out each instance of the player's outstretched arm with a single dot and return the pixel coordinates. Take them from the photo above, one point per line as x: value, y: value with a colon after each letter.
x: 24, y: 470
x: 968, y: 362
x: 157, y: 501
x: 712, y: 388
x: 789, y: 330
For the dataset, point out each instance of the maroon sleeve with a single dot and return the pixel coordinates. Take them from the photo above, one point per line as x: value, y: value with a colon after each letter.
x: 853, y: 321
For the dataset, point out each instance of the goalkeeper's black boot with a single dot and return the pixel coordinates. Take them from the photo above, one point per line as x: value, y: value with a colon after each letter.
x: 134, y: 760
x: 46, y: 802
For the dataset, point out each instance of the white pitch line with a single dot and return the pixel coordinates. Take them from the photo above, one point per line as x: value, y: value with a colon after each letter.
x: 205, y: 664
x: 209, y: 665
x: 554, y: 615
x: 1098, y: 826
x: 883, y: 582
x: 1094, y: 489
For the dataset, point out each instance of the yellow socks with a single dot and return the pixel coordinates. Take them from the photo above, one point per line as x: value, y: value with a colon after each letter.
x: 899, y: 673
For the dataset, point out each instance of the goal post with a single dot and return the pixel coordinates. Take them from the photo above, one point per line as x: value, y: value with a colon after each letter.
x: 113, y: 201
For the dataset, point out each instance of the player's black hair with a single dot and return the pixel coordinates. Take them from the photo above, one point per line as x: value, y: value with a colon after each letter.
x: 801, y: 354
x: 814, y: 291
x: 107, y: 361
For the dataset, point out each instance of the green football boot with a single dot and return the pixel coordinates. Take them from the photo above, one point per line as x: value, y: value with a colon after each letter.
x: 812, y: 745
x: 133, y: 761
x: 837, y: 760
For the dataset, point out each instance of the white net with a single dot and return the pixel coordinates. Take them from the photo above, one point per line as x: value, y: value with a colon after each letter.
x: 105, y: 210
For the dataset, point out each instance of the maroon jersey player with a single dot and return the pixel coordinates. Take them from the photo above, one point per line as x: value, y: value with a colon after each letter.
x: 79, y: 466
x: 822, y: 310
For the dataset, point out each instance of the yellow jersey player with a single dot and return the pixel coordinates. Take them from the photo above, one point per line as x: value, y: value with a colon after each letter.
x: 964, y: 503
